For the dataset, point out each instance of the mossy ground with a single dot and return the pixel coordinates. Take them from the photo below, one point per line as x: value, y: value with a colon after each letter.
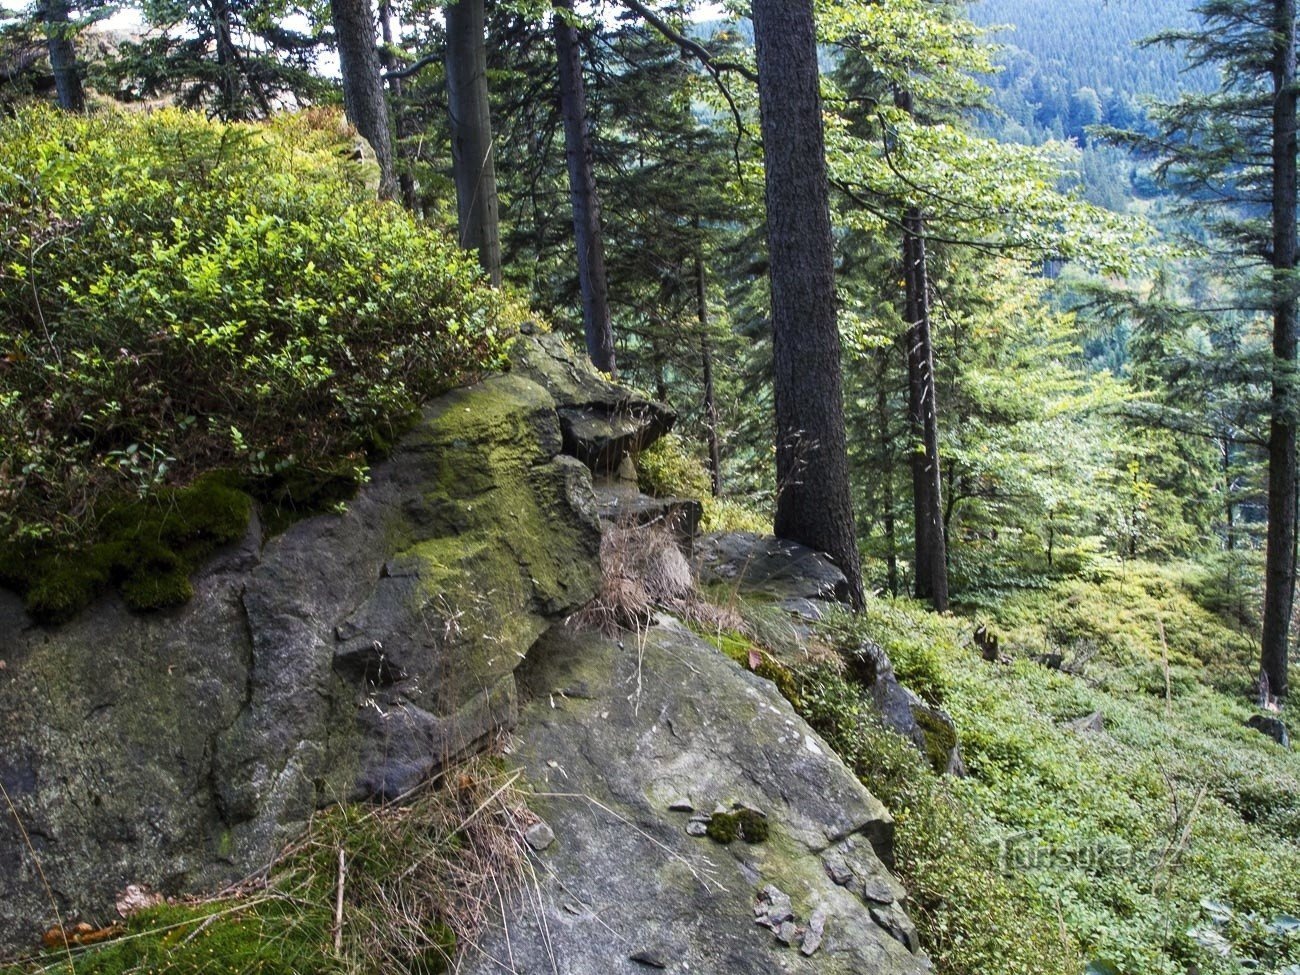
x: 146, y: 547
x: 414, y: 891
x: 1061, y: 847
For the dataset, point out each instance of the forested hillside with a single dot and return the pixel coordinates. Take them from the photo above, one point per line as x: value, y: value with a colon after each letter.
x: 1065, y: 66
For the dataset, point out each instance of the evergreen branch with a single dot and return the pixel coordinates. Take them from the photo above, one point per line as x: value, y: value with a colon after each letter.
x: 688, y: 46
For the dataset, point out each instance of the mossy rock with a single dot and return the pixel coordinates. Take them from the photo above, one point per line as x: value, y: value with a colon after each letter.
x: 749, y: 825
x: 146, y: 547
x: 740, y: 648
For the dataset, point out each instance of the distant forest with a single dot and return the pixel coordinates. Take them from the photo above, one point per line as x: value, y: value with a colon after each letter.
x: 1075, y: 63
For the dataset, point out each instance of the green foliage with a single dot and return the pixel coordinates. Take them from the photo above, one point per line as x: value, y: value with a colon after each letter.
x: 1105, y: 843
x: 973, y: 916
x: 668, y: 469
x: 178, y: 295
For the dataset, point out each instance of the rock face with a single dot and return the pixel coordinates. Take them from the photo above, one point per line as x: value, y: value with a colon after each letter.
x: 601, y: 422
x: 690, y: 819
x: 350, y: 657
x: 803, y: 582
x: 626, y: 745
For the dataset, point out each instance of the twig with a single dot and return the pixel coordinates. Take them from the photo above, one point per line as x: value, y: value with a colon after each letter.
x: 338, y: 903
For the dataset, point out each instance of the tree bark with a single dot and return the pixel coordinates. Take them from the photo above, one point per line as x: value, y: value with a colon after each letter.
x: 596, y: 323
x: 63, y: 56
x: 886, y: 467
x: 363, y: 85
x: 471, y: 135
x: 930, y: 549
x: 814, y: 505
x: 405, y: 181
x: 1280, y: 558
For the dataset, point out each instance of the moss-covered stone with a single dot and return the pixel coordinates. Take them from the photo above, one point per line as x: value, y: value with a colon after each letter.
x: 744, y: 652
x: 940, y: 738
x: 146, y: 547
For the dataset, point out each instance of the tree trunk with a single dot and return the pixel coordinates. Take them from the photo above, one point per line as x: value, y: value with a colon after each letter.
x: 930, y: 551
x: 471, y: 135
x: 63, y: 56
x: 582, y: 191
x: 814, y: 505
x: 886, y: 467
x: 706, y: 357
x: 363, y: 84
x: 1280, y: 559
x: 405, y: 181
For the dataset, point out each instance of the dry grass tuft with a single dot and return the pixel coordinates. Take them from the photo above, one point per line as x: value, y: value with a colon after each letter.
x: 642, y: 570
x: 424, y: 875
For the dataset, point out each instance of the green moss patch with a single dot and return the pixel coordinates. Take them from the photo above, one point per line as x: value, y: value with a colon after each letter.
x: 147, y: 548
x: 749, y: 825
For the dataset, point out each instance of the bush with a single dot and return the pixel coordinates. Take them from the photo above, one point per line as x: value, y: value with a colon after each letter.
x: 178, y: 295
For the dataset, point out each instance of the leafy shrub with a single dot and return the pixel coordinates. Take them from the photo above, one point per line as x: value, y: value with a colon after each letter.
x: 667, y: 469
x: 178, y: 295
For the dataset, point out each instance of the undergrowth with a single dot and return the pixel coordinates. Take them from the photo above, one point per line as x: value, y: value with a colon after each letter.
x: 1167, y: 843
x: 419, y: 880
x: 179, y: 296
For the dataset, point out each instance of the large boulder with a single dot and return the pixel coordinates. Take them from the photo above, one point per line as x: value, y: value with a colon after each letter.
x: 634, y: 748
x: 804, y: 582
x: 352, y: 656
x: 789, y: 574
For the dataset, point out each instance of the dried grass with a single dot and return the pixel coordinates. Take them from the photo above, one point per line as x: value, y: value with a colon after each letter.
x: 642, y: 570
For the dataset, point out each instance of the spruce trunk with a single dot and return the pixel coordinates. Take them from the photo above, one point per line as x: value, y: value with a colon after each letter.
x: 1279, y: 573
x: 596, y: 323
x: 363, y: 85
x: 63, y: 56
x: 930, y: 552
x: 471, y: 135
x: 814, y: 504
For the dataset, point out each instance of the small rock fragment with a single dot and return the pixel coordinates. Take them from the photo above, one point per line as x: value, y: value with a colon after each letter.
x: 649, y: 959
x: 836, y: 869
x: 875, y: 889
x: 776, y: 908
x: 697, y: 827
x: 539, y: 836
x: 1088, y: 724
x: 136, y: 898
x: 681, y: 805
x: 812, y: 939
x: 787, y: 932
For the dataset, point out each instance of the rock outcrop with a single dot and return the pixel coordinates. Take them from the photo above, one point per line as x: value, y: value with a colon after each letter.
x: 692, y: 821
x: 350, y: 657
x: 627, y: 745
